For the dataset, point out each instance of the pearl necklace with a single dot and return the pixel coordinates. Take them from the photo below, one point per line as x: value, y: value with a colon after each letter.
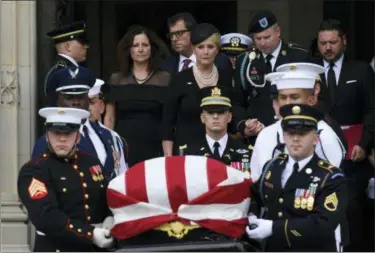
x: 211, y: 80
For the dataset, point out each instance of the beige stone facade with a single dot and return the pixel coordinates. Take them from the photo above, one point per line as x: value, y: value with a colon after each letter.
x: 18, y: 112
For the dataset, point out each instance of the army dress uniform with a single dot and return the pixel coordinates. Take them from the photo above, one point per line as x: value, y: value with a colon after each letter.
x: 64, y: 197
x: 227, y: 150
x: 252, y: 89
x: 75, y: 31
x: 307, y: 209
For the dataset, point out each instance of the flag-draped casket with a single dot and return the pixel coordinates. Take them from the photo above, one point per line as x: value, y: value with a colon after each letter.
x: 180, y: 202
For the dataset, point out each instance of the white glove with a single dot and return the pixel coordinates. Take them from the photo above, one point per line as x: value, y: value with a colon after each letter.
x: 108, y: 222
x: 102, y: 238
x: 98, y: 225
x: 263, y: 230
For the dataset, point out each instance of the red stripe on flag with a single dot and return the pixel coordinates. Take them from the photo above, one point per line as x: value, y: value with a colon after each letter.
x: 176, y: 181
x: 136, y: 182
x: 216, y: 172
x: 229, y: 194
x: 118, y: 200
x: 132, y: 228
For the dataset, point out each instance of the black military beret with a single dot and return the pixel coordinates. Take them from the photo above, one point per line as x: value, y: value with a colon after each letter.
x: 201, y: 32
x: 261, y: 21
x: 300, y: 117
x: 67, y: 32
x: 215, y: 99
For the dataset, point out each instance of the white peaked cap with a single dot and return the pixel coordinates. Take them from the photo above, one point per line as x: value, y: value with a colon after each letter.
x: 296, y: 76
x: 95, y: 90
x: 63, y: 115
x: 243, y: 39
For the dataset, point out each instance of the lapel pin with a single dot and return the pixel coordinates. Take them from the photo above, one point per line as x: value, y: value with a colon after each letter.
x: 308, y: 171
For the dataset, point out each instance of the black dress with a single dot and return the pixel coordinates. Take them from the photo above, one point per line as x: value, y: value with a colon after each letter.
x: 139, y: 110
x: 181, y: 115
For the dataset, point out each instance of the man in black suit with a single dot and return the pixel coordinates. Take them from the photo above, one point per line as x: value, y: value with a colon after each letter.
x: 347, y: 94
x: 71, y: 45
x: 268, y: 52
x: 180, y: 27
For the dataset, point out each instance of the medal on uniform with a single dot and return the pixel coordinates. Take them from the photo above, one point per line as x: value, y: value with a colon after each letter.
x: 96, y: 173
x: 304, y: 199
x: 297, y: 198
x: 116, y: 157
x: 311, y: 196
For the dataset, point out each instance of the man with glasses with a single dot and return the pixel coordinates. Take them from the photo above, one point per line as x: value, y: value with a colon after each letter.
x: 71, y: 45
x: 180, y: 27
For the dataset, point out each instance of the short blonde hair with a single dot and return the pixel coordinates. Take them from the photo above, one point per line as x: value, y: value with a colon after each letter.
x: 215, y: 38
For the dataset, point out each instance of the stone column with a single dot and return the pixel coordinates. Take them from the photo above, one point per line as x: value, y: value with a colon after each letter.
x: 17, y: 113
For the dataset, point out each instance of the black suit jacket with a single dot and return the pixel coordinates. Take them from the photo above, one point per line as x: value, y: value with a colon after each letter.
x: 354, y: 98
x: 171, y: 64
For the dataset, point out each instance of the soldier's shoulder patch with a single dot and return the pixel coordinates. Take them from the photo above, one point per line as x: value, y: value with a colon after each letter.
x: 61, y: 64
x: 297, y: 46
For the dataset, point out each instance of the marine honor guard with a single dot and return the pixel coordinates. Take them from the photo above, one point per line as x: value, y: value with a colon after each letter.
x: 215, y: 115
x: 72, y: 86
x: 296, y: 83
x: 64, y: 190
x: 71, y: 45
x: 302, y: 197
x: 234, y: 44
x: 268, y: 52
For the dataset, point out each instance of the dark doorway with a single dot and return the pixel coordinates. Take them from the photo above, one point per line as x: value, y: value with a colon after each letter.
x: 357, y: 18
x: 154, y: 14
x: 118, y: 16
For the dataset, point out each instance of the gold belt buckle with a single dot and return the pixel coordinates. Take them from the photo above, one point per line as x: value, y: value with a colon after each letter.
x: 176, y: 229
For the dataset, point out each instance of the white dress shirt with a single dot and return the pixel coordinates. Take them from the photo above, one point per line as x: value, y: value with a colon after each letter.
x: 275, y: 54
x: 223, y: 143
x: 98, y: 144
x: 336, y: 68
x: 181, y: 62
x: 287, y: 172
x: 70, y: 59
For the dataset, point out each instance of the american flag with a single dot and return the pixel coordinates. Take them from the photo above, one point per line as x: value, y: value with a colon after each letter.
x: 188, y: 189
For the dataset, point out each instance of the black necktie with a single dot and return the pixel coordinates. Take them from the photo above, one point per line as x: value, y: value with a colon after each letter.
x: 295, y: 167
x: 268, y: 63
x: 87, y: 136
x: 331, y: 81
x: 216, y: 150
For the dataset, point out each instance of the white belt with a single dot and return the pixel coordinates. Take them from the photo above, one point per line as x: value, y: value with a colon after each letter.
x: 40, y: 233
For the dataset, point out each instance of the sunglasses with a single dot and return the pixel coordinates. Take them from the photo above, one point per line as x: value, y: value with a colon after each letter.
x: 178, y: 33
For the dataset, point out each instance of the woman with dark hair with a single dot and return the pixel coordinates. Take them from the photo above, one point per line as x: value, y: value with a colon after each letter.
x: 135, y: 100
x: 181, y: 116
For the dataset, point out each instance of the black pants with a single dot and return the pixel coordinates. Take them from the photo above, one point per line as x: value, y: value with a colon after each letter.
x: 357, y: 174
